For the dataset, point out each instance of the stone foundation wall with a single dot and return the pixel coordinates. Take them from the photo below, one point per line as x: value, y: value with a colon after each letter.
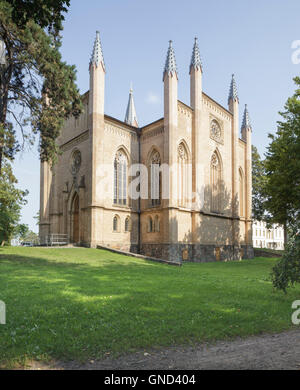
x: 44, y: 231
x: 162, y: 251
x: 262, y: 253
x: 197, y: 252
x: 248, y: 252
x: 179, y: 253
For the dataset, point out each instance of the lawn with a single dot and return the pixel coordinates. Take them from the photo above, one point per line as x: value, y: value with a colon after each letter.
x: 86, y: 303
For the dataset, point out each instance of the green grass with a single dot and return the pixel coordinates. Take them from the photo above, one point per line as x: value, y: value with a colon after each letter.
x: 85, y: 303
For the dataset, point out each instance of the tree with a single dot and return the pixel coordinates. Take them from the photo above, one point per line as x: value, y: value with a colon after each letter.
x: 258, y: 181
x: 283, y: 189
x: 282, y: 165
x: 11, y: 201
x: 37, y: 218
x: 31, y: 237
x: 45, y: 13
x: 37, y: 89
x: 21, y: 231
x: 286, y: 272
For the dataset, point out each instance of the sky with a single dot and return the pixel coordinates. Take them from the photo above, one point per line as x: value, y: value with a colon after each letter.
x: 250, y: 38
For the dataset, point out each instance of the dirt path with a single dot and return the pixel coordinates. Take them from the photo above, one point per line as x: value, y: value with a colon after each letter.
x: 277, y: 351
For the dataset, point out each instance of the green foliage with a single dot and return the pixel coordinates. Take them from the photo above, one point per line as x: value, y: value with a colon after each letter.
x: 282, y: 189
x: 45, y: 13
x: 38, y: 90
x: 287, y: 271
x: 282, y: 165
x: 31, y: 237
x: 258, y: 182
x: 11, y: 201
x: 37, y: 218
x: 21, y: 231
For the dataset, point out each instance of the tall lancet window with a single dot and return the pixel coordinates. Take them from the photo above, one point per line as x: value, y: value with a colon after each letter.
x: 120, y: 178
x: 182, y: 175
x: 154, y: 176
x: 215, y: 182
x: 241, y: 193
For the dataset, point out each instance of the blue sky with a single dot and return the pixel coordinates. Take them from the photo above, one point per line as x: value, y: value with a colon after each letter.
x: 249, y: 38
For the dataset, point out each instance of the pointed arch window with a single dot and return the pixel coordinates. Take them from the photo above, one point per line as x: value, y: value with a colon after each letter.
x: 116, y: 223
x: 150, y: 225
x: 120, y: 178
x: 182, y: 175
x: 127, y: 224
x: 215, y: 182
x: 242, y: 193
x: 154, y: 176
x: 156, y: 224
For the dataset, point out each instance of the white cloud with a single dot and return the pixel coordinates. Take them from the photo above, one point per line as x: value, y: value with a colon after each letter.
x: 152, y: 98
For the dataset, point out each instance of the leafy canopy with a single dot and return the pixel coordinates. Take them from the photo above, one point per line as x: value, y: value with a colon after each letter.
x: 286, y: 272
x: 11, y: 201
x: 282, y: 164
x: 38, y: 90
x: 258, y: 181
x: 45, y: 13
x: 283, y: 188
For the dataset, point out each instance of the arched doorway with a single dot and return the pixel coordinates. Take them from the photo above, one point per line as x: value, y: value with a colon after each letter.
x: 75, y: 219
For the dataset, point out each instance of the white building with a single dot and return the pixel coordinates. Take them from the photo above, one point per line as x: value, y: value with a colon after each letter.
x: 15, y: 242
x: 263, y: 237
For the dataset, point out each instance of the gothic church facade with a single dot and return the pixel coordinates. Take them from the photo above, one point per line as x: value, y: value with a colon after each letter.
x: 206, y: 215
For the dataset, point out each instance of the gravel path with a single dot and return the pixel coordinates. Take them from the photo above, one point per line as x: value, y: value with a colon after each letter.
x: 265, y: 352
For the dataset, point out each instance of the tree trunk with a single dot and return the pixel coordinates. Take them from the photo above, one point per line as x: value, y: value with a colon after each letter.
x: 1, y: 154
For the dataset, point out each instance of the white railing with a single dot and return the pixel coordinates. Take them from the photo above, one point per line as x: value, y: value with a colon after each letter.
x: 57, y: 239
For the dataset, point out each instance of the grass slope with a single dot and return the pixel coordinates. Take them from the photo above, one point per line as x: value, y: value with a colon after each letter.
x: 85, y: 303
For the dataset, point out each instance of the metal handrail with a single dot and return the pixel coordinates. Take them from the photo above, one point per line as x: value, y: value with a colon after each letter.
x: 57, y: 239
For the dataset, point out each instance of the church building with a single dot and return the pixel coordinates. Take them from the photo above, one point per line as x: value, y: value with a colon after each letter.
x: 178, y: 188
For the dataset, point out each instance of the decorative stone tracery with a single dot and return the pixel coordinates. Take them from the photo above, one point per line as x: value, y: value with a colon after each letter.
x: 215, y: 131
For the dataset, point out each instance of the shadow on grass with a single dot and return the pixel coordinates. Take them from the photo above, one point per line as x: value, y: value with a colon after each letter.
x: 80, y: 305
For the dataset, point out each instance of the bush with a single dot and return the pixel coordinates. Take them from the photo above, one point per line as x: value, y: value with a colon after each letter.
x: 287, y: 271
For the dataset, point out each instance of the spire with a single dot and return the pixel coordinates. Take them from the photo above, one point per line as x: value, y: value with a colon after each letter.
x: 97, y: 55
x: 233, y: 90
x: 130, y: 117
x: 170, y: 65
x: 246, y: 119
x: 196, y: 62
